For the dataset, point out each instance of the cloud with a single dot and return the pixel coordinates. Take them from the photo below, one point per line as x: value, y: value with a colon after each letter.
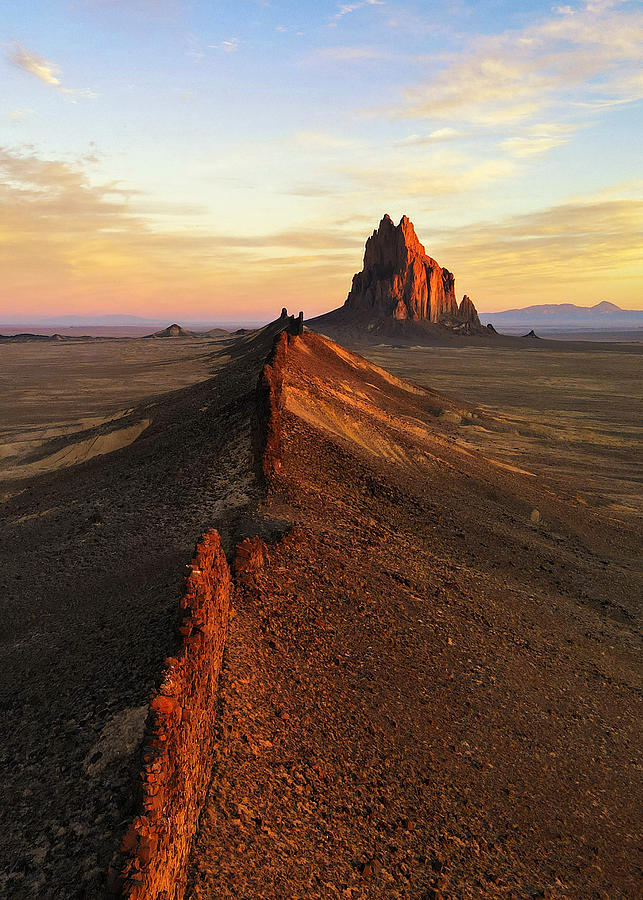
x: 436, y: 136
x: 18, y: 115
x: 578, y: 249
x: 95, y: 242
x: 438, y: 175
x: 45, y: 71
x: 34, y: 64
x: 537, y: 139
x: 347, y: 8
x: 98, y: 245
x: 591, y: 51
x: 227, y: 46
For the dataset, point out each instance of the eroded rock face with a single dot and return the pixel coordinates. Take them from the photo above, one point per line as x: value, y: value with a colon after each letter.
x: 399, y: 279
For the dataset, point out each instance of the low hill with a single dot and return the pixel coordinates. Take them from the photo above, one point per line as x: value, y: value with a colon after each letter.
x: 28, y: 337
x: 172, y: 331
x: 177, y: 331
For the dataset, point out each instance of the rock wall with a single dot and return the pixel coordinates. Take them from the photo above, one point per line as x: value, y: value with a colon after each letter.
x: 178, y: 745
x: 179, y: 742
x: 269, y: 406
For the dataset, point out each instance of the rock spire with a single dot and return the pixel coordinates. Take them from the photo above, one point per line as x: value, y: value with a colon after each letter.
x: 399, y: 279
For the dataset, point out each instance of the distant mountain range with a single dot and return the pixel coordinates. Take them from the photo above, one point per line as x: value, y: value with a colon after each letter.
x: 568, y: 316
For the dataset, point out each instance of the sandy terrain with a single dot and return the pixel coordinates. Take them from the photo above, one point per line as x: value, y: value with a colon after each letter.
x: 52, y: 391
x: 572, y: 416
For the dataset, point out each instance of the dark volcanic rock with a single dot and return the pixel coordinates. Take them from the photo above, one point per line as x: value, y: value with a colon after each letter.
x: 400, y: 280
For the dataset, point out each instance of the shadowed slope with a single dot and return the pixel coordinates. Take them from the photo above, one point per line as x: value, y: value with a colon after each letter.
x: 93, y: 561
x: 430, y: 688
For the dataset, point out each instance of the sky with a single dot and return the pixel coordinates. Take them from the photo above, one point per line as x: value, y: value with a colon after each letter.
x: 197, y: 160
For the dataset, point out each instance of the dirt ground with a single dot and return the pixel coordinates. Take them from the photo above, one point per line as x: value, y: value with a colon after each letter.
x: 428, y: 692
x: 574, y: 417
x: 93, y: 558
x: 431, y: 691
x: 53, y: 390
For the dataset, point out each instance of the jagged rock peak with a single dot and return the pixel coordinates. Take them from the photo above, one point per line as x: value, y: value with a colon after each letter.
x: 292, y: 325
x: 399, y: 279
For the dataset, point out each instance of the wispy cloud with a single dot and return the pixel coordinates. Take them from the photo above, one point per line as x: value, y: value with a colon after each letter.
x: 229, y: 46
x: 40, y: 68
x: 437, y: 136
x: 347, y: 8
x: 591, y: 52
x: 580, y: 249
x: 97, y: 241
x: 34, y: 64
x: 437, y: 175
x: 17, y: 115
x: 539, y: 138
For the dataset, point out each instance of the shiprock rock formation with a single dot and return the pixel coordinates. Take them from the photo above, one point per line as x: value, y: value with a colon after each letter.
x: 401, y: 293
x: 401, y: 280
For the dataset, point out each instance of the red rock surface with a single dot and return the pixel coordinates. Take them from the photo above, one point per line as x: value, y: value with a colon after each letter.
x: 179, y: 739
x: 269, y: 406
x: 424, y: 694
x: 250, y: 557
x: 399, y: 279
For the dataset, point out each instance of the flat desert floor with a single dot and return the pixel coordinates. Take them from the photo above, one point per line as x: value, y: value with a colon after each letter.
x: 571, y: 415
x: 50, y: 391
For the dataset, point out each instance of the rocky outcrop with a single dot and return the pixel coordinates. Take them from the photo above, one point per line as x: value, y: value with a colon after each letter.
x: 172, y: 331
x: 179, y: 739
x: 269, y: 398
x: 400, y: 280
x: 269, y: 409
x: 468, y: 313
x: 250, y: 557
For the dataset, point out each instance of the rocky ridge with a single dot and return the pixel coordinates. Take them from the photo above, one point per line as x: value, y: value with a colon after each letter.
x: 391, y: 674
